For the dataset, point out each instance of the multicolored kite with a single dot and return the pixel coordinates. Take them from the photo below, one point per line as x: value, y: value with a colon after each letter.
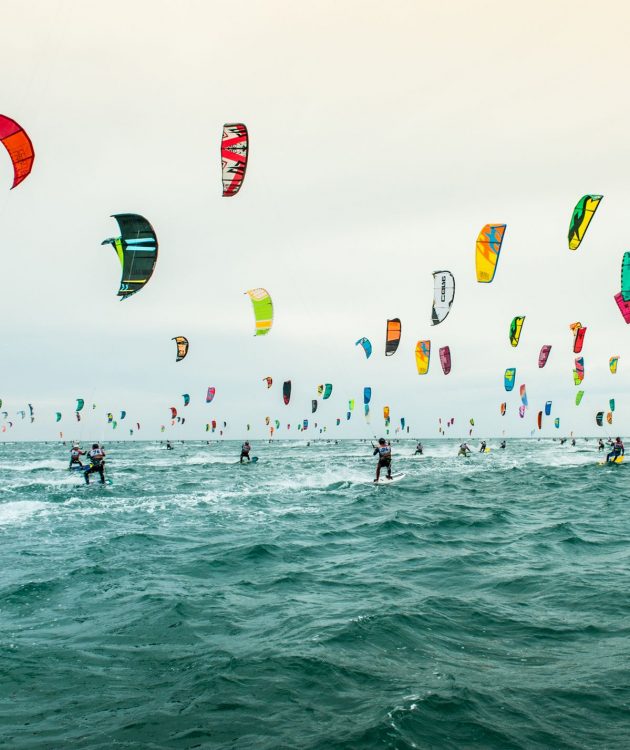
x: 137, y: 250
x: 582, y: 215
x: 263, y: 310
x: 19, y: 147
x: 234, y: 152
x: 488, y: 249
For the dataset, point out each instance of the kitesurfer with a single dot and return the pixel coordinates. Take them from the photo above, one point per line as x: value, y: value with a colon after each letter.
x: 600, y: 445
x: 419, y: 450
x: 464, y: 450
x: 573, y: 442
x: 384, y: 452
x: 563, y: 441
x: 97, y: 463
x: 245, y: 449
x: 169, y: 447
x: 617, y: 450
x: 482, y: 448
x: 75, y: 455
x: 502, y: 446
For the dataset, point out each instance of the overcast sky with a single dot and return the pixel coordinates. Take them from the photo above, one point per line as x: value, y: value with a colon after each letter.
x: 383, y: 136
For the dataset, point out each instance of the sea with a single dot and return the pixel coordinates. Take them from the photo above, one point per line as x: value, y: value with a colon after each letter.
x: 194, y: 602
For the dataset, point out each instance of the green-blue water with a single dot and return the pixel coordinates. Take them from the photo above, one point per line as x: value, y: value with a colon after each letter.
x: 196, y: 603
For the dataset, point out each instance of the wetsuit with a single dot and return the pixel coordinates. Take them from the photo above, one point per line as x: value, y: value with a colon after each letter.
x: 617, y: 450
x: 419, y: 449
x: 384, y: 453
x: 464, y: 450
x: 75, y: 457
x: 97, y: 464
x: 245, y: 449
x: 600, y: 445
x: 483, y: 447
x: 502, y: 445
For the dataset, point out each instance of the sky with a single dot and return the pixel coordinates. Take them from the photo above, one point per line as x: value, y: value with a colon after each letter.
x: 383, y: 136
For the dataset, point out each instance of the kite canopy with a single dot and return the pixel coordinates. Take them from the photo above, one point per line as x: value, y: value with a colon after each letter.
x: 503, y: 408
x: 423, y: 356
x: 367, y: 395
x: 19, y: 147
x: 186, y: 398
x: 547, y: 408
x: 544, y: 355
x: 579, y: 331
x: 263, y: 310
x: 516, y: 326
x: 443, y: 295
x: 393, y: 334
x: 386, y: 413
x: 137, y: 250
x: 524, y: 395
x: 351, y: 405
x: 578, y: 373
x: 210, y: 394
x: 611, y: 404
x: 57, y: 416
x: 80, y: 404
x: 509, y: 378
x: 624, y: 307
x: 582, y: 215
x: 234, y: 151
x: 327, y: 390
x: 556, y: 422
x: 539, y: 420
x: 612, y: 364
x: 599, y: 418
x: 367, y: 346
x: 488, y: 250
x: 268, y: 380
x: 578, y: 397
x: 182, y: 347
x: 609, y: 417
x: 286, y: 392
x: 313, y: 406
x: 625, y: 277
x: 445, y: 359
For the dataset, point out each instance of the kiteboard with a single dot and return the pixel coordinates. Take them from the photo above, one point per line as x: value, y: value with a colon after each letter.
x: 254, y: 460
x: 395, y: 478
x: 618, y: 460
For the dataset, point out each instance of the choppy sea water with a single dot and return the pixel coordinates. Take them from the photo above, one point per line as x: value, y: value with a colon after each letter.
x: 197, y: 603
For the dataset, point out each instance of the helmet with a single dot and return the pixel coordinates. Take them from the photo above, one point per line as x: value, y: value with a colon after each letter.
x: 381, y: 441
x: 94, y: 445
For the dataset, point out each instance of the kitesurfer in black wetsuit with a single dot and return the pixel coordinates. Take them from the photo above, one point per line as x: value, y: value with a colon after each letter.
x: 419, y: 449
x: 245, y: 449
x: 384, y: 452
x: 97, y: 463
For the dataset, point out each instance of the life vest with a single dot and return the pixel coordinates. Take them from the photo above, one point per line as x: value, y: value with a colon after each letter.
x: 96, y: 456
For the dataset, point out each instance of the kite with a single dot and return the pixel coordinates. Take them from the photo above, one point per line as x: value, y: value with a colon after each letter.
x: 110, y: 418
x: 624, y: 307
x: 539, y: 420
x: 234, y: 150
x: 547, y: 408
x: 625, y: 277
x: 599, y: 418
x: 123, y: 414
x: 263, y: 310
x: 544, y: 355
x: 182, y: 347
x: 277, y: 421
x: 305, y: 424
x: 579, y: 331
x: 186, y: 398
x: 392, y: 338
x: 443, y: 295
x: 267, y: 420
x: 19, y: 148
x: 609, y: 417
x: 556, y: 422
x: 488, y: 250
x: 386, y: 413
x: 313, y: 406
x: 582, y: 215
x: 516, y: 326
x: 423, y: 356
x: 578, y: 373
x: 612, y: 363
x: 320, y: 390
x: 402, y: 423
x: 286, y: 392
x: 367, y: 395
x: 137, y: 250
x: 521, y: 411
x: 31, y: 410
x: 173, y: 412
x: 338, y: 421
x: 611, y: 404
x: 524, y: 395
x: 327, y: 390
x: 503, y: 408
x: 80, y: 404
x: 578, y: 397
x: 367, y: 346
x: 445, y: 359
x: 210, y: 394
x: 58, y: 416
x: 268, y: 380
x: 509, y: 378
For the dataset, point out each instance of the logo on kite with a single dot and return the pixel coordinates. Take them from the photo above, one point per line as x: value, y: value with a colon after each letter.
x: 19, y: 148
x: 137, y: 250
x: 392, y: 339
x: 234, y: 153
x: 581, y: 218
x: 487, y: 251
x: 182, y: 347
